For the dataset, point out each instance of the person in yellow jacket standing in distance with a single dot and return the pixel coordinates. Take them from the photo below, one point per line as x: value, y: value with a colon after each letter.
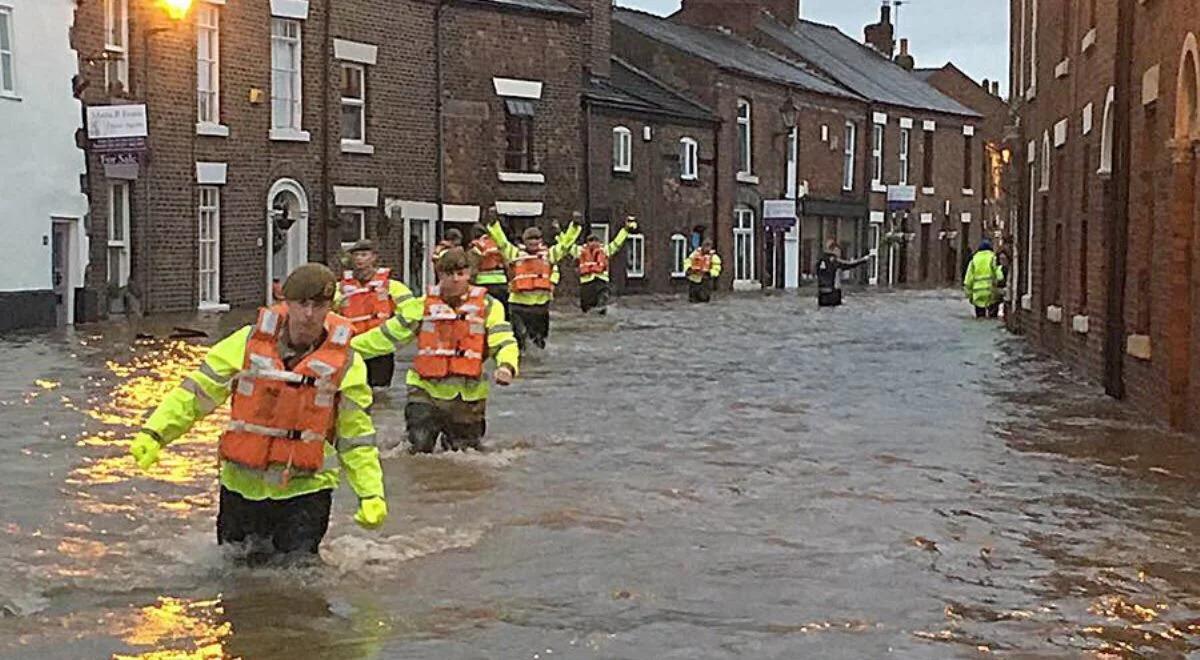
x: 457, y: 327
x: 299, y: 416
x: 367, y: 296
x: 983, y: 283
x: 593, y: 257
x: 703, y: 267
x: 531, y: 282
x: 488, y: 265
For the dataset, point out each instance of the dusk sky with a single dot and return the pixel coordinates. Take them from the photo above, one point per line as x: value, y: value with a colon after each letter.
x: 971, y: 33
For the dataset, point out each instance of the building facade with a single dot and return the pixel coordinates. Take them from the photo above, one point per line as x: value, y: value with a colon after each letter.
x: 1106, y: 139
x: 44, y: 255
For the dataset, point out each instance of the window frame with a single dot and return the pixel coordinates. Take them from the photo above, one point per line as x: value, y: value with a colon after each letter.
x: 679, y: 254
x: 689, y: 159
x: 849, y: 157
x: 123, y: 244
x: 1044, y: 181
x: 116, y: 43
x: 295, y: 113
x: 622, y: 150
x: 213, y: 63
x: 744, y: 236
x: 522, y: 127
x: 877, y: 143
x: 601, y: 230
x: 360, y: 103
x: 745, y: 137
x: 905, y: 155
x: 635, y: 264
x: 360, y: 215
x: 213, y: 242
x: 10, y: 55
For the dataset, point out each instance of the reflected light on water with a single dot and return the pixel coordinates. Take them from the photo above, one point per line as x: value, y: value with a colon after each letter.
x: 178, y: 629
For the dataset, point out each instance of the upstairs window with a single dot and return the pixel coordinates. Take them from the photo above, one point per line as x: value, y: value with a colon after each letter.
x: 745, y: 152
x: 116, y: 44
x: 848, y: 156
x: 622, y: 149
x: 968, y: 162
x: 208, y: 64
x: 8, y: 72
x: 354, y: 103
x: 286, y: 108
x: 905, y: 146
x: 877, y: 154
x: 352, y: 226
x: 689, y: 159
x: 518, y: 131
x: 927, y: 161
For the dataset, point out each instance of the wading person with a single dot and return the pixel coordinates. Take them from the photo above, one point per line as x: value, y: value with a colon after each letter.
x: 531, y: 281
x: 703, y: 267
x: 368, y: 296
x: 489, y: 265
x: 983, y: 282
x: 829, y: 269
x: 452, y: 239
x: 457, y: 327
x: 299, y: 411
x: 593, y: 259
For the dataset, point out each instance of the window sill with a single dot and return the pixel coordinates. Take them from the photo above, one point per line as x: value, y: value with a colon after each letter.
x: 1027, y: 302
x: 1089, y: 40
x: 1063, y: 68
x: 928, y: 191
x: 1031, y: 93
x: 1140, y: 347
x: 631, y: 276
x: 1081, y: 324
x: 622, y: 174
x: 358, y: 148
x: 212, y: 130
x: 968, y: 192
x: 522, y: 177
x: 289, y: 135
x: 746, y: 177
x: 7, y: 96
x: 1054, y: 314
x: 213, y: 307
x: 693, y: 182
x: 746, y: 285
x: 879, y: 187
x: 678, y: 276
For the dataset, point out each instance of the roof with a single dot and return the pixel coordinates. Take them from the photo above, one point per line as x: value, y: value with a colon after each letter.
x: 546, y: 6
x: 727, y: 52
x: 925, y: 74
x: 860, y: 68
x: 633, y: 89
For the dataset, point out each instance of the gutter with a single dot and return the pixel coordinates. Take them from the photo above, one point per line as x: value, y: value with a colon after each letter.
x: 438, y: 113
x: 1118, y: 210
x: 326, y: 187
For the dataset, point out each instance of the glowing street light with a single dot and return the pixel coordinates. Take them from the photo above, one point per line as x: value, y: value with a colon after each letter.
x: 176, y: 9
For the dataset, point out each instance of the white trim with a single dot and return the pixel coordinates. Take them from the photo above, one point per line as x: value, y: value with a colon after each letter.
x: 849, y: 155
x: 622, y: 149
x: 212, y: 130
x: 460, y: 213
x: 906, y: 122
x: 969, y: 130
x: 1088, y: 41
x: 968, y: 192
x: 1060, y: 133
x: 928, y: 190
x: 524, y: 177
x: 637, y: 253
x: 878, y: 187
x: 1081, y: 324
x: 211, y: 174
x: 929, y: 125
x: 355, y: 103
x: 214, y: 2
x: 746, y: 177
x: 1140, y: 347
x: 522, y: 89
x: 877, y: 217
x: 748, y: 145
x: 927, y: 218
x: 413, y: 210
x: 1150, y: 80
x: 522, y: 209
x: 1063, y: 68
x: 965, y: 218
x: 1054, y: 314
x: 676, y: 241
x: 211, y: 63
x: 289, y: 135
x: 647, y: 133
x: 293, y: 120
x: 355, y: 196
x: 879, y: 118
x: 689, y: 159
x: 358, y: 148
x: 355, y: 51
x: 297, y: 9
x: 1027, y: 302
x: 1088, y: 117
x: 1031, y: 152
x: 213, y: 241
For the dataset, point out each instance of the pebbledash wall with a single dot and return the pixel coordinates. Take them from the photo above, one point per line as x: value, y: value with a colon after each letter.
x: 43, y: 256
x: 1063, y: 69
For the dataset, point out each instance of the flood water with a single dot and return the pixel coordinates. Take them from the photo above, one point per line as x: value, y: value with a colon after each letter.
x: 754, y: 478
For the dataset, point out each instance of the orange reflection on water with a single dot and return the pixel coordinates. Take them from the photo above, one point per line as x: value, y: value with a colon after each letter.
x: 178, y: 629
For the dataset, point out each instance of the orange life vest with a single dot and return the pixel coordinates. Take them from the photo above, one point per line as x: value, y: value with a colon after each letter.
x: 491, y: 259
x: 368, y: 305
x: 440, y: 249
x: 452, y: 342
x: 284, y: 416
x: 531, y: 272
x: 701, y: 262
x: 593, y: 260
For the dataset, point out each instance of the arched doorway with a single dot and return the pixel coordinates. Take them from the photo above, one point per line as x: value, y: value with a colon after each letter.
x: 287, y: 232
x: 1180, y: 332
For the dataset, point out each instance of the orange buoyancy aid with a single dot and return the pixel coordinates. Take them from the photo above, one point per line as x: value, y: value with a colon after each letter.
x: 452, y: 342
x: 441, y: 248
x: 282, y: 416
x: 368, y: 305
x: 593, y: 260
x: 531, y: 272
x: 491, y: 259
x: 701, y: 262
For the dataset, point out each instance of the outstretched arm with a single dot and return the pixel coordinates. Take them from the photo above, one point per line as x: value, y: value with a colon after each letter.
x: 507, y: 249
x: 394, y: 333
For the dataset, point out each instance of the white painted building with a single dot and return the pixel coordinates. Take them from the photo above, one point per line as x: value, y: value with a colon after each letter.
x: 43, y: 249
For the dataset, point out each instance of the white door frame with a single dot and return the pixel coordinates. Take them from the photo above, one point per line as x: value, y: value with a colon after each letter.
x: 426, y: 254
x: 297, y: 236
x: 751, y: 282
x: 73, y: 266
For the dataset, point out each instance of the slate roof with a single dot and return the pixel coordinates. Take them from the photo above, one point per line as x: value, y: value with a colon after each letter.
x: 860, y: 68
x: 636, y: 90
x: 728, y: 52
x: 925, y: 74
x: 547, y: 6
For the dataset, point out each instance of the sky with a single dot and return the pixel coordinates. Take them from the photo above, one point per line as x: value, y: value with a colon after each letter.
x: 971, y: 33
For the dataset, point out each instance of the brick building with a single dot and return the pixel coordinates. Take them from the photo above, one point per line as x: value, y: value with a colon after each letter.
x: 1108, y: 126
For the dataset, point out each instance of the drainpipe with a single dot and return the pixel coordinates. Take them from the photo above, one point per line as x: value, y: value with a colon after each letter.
x: 587, y: 160
x: 1118, y: 220
x: 327, y: 79
x: 438, y: 113
x: 718, y: 129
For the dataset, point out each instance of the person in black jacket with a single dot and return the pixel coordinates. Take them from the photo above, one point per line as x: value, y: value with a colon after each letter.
x: 831, y: 264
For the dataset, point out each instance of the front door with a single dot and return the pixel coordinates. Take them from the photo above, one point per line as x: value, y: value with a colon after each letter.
x: 418, y: 254
x: 287, y: 235
x: 60, y: 272
x: 873, y: 246
x: 791, y: 257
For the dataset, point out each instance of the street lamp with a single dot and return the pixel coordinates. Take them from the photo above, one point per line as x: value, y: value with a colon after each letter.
x: 175, y: 9
x: 789, y: 113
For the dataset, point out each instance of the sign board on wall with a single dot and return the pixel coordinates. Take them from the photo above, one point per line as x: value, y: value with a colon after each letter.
x: 779, y: 214
x: 116, y: 121
x: 901, y: 197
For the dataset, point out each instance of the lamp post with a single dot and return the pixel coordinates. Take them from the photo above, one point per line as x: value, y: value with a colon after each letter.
x: 788, y: 117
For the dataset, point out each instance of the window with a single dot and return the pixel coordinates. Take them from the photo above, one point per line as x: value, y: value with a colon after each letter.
x: 518, y: 128
x: 848, y: 157
x: 1046, y: 153
x: 622, y: 149
x: 286, y: 106
x: 210, y: 246
x: 968, y: 162
x: 689, y: 159
x: 600, y: 229
x: 679, y: 254
x: 927, y: 160
x: 1064, y: 45
x: 743, y: 245
x: 116, y: 44
x: 118, y: 234
x: 8, y: 72
x: 745, y: 152
x: 352, y: 226
x: 354, y: 103
x: 1106, y: 137
x: 877, y: 154
x: 208, y: 64
x: 1033, y: 46
x: 905, y: 146
x: 1028, y: 283
x: 636, y: 266
x: 793, y: 141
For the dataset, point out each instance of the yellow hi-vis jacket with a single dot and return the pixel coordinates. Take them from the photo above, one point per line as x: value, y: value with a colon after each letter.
x: 510, y: 252
x: 714, y: 270
x: 981, y: 284
x: 354, y: 447
x: 613, y: 247
x: 403, y: 328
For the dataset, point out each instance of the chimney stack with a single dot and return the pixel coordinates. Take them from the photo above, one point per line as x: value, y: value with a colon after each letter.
x: 882, y: 35
x: 906, y: 61
x: 996, y: 88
